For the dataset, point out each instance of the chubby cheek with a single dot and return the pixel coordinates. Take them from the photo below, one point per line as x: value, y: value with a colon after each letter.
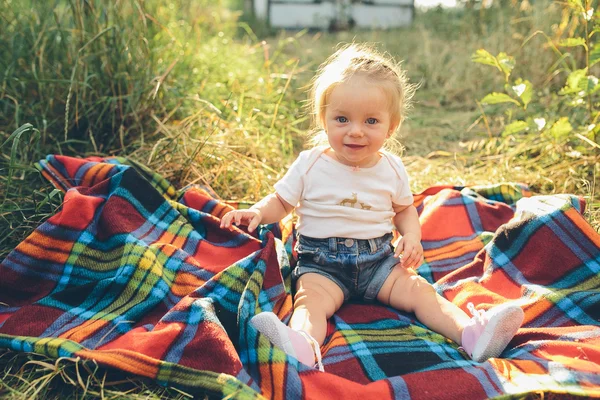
x: 335, y: 140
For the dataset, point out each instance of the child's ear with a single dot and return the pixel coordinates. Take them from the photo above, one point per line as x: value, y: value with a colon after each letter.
x: 393, y: 128
x: 394, y: 124
x: 391, y: 131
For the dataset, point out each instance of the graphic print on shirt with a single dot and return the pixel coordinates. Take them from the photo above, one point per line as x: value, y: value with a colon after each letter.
x: 365, y: 206
x: 351, y: 201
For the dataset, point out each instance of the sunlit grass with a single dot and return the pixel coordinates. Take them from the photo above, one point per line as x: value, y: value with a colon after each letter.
x: 31, y: 376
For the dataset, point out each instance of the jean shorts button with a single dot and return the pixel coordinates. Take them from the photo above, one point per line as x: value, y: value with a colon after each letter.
x: 348, y: 242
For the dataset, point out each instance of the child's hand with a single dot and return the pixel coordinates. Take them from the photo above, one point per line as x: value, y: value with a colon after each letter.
x: 411, y: 250
x: 250, y: 217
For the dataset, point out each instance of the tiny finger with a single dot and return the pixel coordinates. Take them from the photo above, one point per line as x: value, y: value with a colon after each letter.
x: 399, y: 253
x: 409, y: 258
x: 253, y: 224
x: 399, y: 250
x: 418, y: 261
x: 225, y: 221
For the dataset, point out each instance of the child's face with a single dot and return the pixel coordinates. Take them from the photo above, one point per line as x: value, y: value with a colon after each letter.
x: 357, y: 121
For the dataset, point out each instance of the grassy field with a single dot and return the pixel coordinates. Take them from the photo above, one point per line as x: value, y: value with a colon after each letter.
x: 202, y: 94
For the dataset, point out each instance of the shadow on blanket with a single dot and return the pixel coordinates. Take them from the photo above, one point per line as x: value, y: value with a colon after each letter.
x: 139, y: 277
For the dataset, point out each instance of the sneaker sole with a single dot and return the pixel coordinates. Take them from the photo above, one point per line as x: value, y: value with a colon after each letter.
x: 502, y: 327
x: 269, y: 325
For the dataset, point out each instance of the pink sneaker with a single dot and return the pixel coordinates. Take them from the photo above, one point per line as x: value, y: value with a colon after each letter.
x: 490, y: 331
x: 298, y: 344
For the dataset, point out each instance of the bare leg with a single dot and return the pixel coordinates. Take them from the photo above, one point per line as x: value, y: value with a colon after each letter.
x: 405, y: 290
x: 317, y: 299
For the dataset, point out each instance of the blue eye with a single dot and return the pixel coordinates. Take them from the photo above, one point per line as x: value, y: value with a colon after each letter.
x: 371, y: 121
x: 341, y: 119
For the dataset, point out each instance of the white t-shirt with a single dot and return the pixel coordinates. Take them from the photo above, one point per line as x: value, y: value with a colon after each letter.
x: 337, y: 200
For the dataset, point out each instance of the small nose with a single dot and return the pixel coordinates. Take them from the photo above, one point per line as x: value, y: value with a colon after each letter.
x: 355, y: 130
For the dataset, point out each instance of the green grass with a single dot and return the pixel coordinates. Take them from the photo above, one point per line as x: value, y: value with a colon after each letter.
x: 192, y: 90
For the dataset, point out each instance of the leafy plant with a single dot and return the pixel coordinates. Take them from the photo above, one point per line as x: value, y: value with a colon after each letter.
x: 566, y: 114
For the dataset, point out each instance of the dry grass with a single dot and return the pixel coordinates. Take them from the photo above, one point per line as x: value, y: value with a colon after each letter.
x: 31, y: 376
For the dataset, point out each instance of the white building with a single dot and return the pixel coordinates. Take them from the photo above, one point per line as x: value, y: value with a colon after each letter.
x: 324, y: 14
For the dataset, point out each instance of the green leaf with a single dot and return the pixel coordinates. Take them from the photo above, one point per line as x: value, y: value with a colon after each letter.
x: 572, y: 42
x: 561, y: 128
x: 496, y: 98
x: 482, y: 56
x: 515, y: 127
x: 576, y: 82
x: 506, y: 63
x: 49, y: 197
x: 17, y: 134
x: 524, y: 90
x: 16, y: 139
x: 595, y: 54
x: 502, y: 61
x: 588, y: 84
x: 595, y: 24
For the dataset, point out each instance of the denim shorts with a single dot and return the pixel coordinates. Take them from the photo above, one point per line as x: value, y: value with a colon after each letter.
x: 358, y: 266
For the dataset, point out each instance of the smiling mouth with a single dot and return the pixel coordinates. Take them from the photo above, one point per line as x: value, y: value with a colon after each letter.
x: 354, y: 146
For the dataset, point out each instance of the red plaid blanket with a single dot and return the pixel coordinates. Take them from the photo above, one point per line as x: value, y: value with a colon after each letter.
x: 138, y: 276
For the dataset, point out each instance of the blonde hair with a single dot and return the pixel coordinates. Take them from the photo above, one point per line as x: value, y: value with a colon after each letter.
x: 364, y: 60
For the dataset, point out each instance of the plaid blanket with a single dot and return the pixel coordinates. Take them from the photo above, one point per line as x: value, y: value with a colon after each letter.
x: 139, y: 277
